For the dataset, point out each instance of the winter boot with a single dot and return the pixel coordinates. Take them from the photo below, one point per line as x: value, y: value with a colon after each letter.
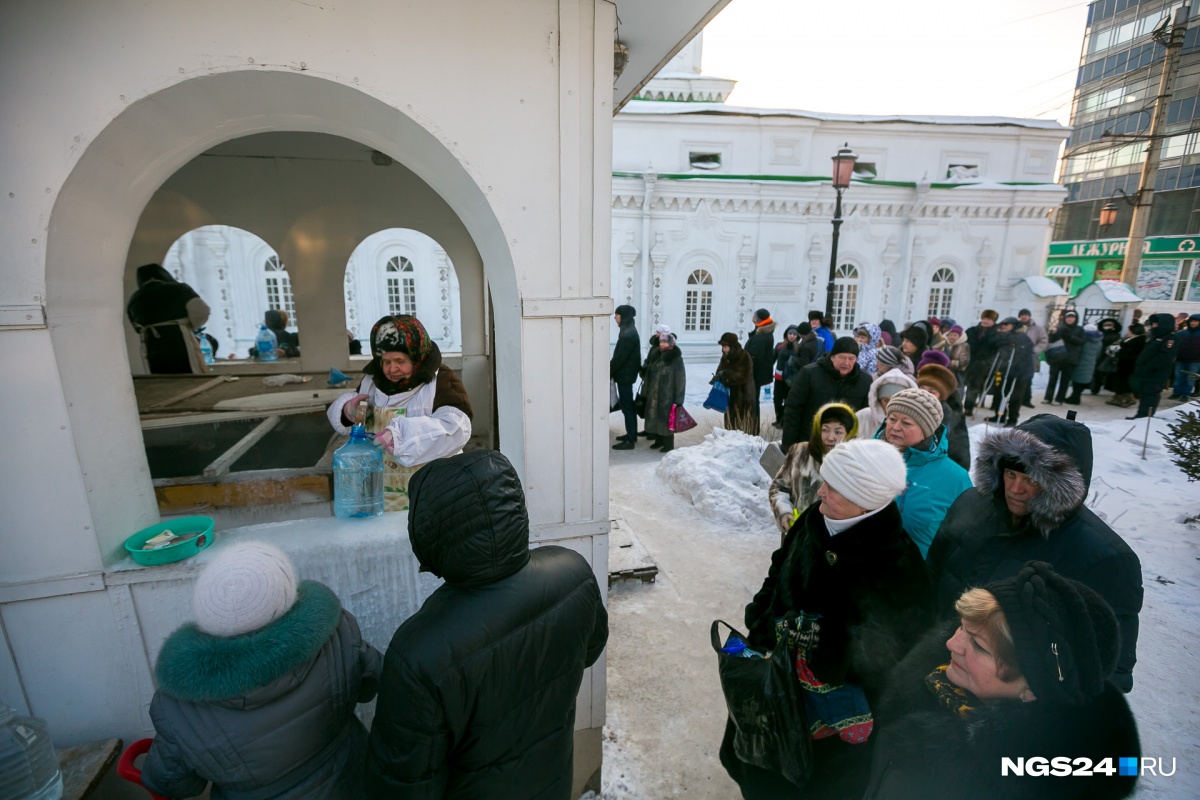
x: 668, y: 443
x: 624, y: 444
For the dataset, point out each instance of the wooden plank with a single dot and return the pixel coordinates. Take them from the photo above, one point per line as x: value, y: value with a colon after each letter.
x: 84, y: 766
x: 221, y: 465
x: 204, y: 387
x: 278, y: 401
x: 206, y: 418
x: 279, y: 490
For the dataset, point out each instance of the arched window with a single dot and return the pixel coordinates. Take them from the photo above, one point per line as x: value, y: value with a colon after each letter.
x: 279, y: 289
x: 402, y: 287
x: 941, y: 293
x: 845, y: 297
x: 697, y: 305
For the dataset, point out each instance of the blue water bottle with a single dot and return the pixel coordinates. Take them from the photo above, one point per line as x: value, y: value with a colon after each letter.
x: 358, y: 477
x: 205, y: 347
x: 265, y: 344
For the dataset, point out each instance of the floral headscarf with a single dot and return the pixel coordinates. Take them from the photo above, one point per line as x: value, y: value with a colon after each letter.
x: 866, y: 352
x: 402, y: 333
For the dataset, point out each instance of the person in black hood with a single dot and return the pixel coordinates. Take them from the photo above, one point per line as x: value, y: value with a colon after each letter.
x: 1066, y: 340
x: 477, y: 695
x: 166, y: 315
x: 1015, y: 367
x: 624, y: 367
x: 1155, y: 364
x: 760, y: 345
x: 1110, y: 337
x: 1028, y: 504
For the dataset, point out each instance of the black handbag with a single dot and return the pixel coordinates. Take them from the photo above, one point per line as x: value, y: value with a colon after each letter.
x: 766, y: 708
x: 639, y: 404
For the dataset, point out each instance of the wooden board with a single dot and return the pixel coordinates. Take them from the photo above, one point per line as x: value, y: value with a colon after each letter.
x: 278, y: 401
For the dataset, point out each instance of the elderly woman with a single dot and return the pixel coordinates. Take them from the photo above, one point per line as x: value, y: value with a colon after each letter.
x: 1024, y: 677
x: 848, y: 570
x: 257, y: 696
x: 417, y: 409
x: 736, y: 371
x: 914, y: 427
x: 664, y: 381
x: 868, y: 336
x: 795, y: 485
x: 879, y: 395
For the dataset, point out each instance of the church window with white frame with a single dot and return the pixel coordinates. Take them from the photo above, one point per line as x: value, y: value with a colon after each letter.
x: 279, y: 289
x: 697, y: 307
x: 401, y: 286
x: 941, y: 292
x: 845, y: 297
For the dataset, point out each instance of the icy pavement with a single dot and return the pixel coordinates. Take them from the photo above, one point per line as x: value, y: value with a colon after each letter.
x: 701, y: 513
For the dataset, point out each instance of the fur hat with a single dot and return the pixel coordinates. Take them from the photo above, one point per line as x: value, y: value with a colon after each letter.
x: 989, y: 314
x: 246, y: 587
x: 626, y: 312
x: 867, y: 472
x: 933, y: 357
x: 844, y: 344
x: 817, y: 315
x: 1065, y: 635
x: 939, y: 377
x: 922, y: 406
x: 956, y: 329
x: 730, y: 339
x: 892, y: 357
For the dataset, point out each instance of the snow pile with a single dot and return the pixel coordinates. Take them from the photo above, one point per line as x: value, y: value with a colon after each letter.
x: 722, y: 478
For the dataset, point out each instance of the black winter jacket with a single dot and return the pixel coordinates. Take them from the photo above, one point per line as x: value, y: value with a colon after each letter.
x: 983, y: 342
x: 627, y: 355
x: 923, y: 750
x: 760, y: 344
x: 266, y: 714
x: 814, y: 386
x: 1072, y: 336
x: 868, y: 583
x: 1017, y: 344
x: 978, y: 542
x: 1156, y: 362
x: 477, y: 697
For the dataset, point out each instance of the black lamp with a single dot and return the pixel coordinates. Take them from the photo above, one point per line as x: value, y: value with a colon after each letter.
x: 843, y: 170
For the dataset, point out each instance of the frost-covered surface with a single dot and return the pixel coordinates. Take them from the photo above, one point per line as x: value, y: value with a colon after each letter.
x: 665, y: 710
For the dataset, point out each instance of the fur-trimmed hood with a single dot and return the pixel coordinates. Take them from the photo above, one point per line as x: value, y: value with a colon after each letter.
x: 893, y: 376
x: 1057, y: 455
x: 255, y: 668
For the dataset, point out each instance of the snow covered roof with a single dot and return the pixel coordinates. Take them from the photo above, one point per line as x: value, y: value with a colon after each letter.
x: 1043, y: 287
x: 652, y: 107
x: 1117, y: 292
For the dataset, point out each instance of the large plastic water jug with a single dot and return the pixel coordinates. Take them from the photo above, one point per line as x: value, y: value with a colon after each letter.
x: 28, y: 766
x: 357, y: 477
x: 265, y: 344
x: 205, y: 348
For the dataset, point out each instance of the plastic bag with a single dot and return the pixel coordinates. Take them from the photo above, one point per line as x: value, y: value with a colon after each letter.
x: 680, y: 420
x: 718, y: 397
x: 614, y: 399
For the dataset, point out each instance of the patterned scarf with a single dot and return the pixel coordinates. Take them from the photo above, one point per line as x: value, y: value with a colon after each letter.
x: 832, y: 710
x: 398, y: 334
x: 953, y: 698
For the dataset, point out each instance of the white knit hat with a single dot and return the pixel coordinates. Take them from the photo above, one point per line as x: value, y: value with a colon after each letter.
x: 246, y: 587
x: 867, y: 472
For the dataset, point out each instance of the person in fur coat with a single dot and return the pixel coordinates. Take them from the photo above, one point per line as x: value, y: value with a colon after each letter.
x: 882, y: 388
x: 257, y: 696
x: 736, y: 371
x: 664, y: 382
x: 847, y: 563
x: 1028, y: 503
x: 795, y: 485
x: 1020, y: 674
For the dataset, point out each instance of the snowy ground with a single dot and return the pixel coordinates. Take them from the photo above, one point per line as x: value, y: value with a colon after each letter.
x: 701, y: 513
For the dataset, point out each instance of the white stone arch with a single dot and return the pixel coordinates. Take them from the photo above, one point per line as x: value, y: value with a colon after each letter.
x: 933, y: 285
x: 677, y: 287
x: 91, y: 225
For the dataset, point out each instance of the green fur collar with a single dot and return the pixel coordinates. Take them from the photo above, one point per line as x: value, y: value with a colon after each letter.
x: 198, y: 667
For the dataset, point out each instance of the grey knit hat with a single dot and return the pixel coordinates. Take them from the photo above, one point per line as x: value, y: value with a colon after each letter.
x: 921, y: 405
x: 246, y: 587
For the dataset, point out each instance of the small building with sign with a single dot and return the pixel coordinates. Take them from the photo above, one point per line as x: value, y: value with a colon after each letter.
x: 1168, y: 281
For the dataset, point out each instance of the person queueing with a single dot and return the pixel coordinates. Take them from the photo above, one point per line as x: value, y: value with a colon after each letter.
x: 1187, y: 360
x: 1155, y: 365
x: 785, y: 351
x: 1014, y: 370
x: 664, y: 385
x: 1069, y: 333
x: 1020, y: 673
x: 981, y: 341
x: 834, y: 377
x: 624, y: 367
x: 417, y: 409
x: 939, y: 381
x: 257, y: 695
x: 795, y: 485
x: 166, y: 314
x: 736, y: 371
x: 760, y: 344
x: 860, y: 593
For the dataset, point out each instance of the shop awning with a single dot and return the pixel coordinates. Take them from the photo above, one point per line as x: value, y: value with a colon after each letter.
x: 1063, y: 271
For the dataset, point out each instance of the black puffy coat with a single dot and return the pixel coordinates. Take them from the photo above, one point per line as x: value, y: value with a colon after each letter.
x: 1071, y: 335
x: 627, y: 355
x: 477, y: 696
x: 1131, y: 348
x: 814, y: 386
x: 266, y: 714
x: 983, y: 342
x: 923, y: 750
x: 1017, y: 344
x: 760, y: 344
x: 808, y: 350
x: 1156, y: 363
x: 979, y: 542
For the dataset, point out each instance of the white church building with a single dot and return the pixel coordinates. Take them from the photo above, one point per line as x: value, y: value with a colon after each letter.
x: 720, y: 210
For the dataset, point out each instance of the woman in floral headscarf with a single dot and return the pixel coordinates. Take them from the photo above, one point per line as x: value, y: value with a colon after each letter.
x: 417, y: 410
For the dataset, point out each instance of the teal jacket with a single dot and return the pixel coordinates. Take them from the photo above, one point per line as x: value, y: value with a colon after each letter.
x: 934, y: 483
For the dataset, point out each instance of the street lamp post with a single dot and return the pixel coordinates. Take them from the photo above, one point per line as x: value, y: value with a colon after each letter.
x: 843, y: 169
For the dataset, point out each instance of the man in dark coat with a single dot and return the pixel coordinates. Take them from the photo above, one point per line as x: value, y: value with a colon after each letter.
x: 1154, y: 365
x: 477, y: 696
x: 624, y: 367
x: 982, y: 341
x: 833, y: 377
x: 1028, y: 504
x: 1015, y: 365
x: 1187, y: 359
x: 166, y: 315
x: 760, y: 344
x: 1071, y: 335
